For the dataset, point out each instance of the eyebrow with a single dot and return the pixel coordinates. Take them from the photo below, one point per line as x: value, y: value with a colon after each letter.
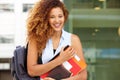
x: 58, y: 14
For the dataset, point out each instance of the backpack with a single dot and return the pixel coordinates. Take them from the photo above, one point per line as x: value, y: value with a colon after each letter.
x: 19, y: 65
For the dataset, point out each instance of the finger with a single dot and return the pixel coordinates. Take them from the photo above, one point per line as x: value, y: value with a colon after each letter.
x: 62, y: 49
x: 66, y: 47
x: 72, y: 50
x: 48, y: 78
x: 51, y: 78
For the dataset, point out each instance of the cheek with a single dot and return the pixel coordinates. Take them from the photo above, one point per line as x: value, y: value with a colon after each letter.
x: 63, y: 19
x: 50, y: 22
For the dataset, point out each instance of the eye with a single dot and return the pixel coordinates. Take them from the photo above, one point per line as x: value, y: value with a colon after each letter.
x: 52, y: 17
x: 60, y: 16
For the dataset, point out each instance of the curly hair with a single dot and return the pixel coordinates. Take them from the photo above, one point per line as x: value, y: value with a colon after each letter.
x: 38, y: 27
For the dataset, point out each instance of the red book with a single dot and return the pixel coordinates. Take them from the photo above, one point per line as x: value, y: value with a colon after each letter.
x: 77, y: 65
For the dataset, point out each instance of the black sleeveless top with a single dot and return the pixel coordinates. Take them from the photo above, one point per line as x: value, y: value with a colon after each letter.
x: 54, y: 51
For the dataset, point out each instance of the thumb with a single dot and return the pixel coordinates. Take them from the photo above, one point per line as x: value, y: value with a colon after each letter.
x: 62, y: 49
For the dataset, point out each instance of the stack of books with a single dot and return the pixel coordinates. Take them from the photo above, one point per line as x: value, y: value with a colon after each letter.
x: 69, y: 68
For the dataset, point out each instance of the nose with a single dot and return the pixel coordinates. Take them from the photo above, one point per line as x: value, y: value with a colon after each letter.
x: 56, y: 20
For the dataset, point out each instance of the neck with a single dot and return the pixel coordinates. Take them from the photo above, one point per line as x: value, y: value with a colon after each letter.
x: 57, y: 35
x: 56, y: 39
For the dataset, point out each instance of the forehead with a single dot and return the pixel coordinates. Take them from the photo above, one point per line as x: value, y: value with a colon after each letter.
x: 56, y: 10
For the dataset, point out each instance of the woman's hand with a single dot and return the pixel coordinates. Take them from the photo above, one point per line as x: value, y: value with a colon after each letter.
x: 67, y: 54
x: 48, y: 78
x: 81, y: 76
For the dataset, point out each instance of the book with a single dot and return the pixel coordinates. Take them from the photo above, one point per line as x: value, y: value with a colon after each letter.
x: 75, y: 65
x: 69, y: 68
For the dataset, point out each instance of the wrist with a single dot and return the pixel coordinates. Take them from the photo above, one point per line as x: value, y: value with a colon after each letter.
x: 59, y: 60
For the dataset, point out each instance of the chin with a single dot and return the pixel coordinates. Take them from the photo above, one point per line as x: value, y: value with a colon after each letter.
x: 57, y: 30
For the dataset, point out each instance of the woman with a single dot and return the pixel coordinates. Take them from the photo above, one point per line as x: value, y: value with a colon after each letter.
x: 47, y: 38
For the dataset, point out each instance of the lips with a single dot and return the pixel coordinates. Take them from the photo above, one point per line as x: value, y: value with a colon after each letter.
x: 57, y: 25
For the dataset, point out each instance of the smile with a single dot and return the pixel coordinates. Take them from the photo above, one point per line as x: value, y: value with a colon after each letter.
x: 57, y: 25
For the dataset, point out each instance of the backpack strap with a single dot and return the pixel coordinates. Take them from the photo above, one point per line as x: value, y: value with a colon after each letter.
x: 19, y: 64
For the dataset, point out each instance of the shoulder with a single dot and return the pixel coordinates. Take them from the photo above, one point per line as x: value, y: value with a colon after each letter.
x: 75, y: 38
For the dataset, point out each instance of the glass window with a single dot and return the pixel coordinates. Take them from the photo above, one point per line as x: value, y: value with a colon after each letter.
x: 6, y: 8
x: 6, y: 39
x: 27, y: 7
x: 113, y: 3
x: 85, y: 4
x: 100, y: 41
x: 102, y: 49
x: 92, y: 4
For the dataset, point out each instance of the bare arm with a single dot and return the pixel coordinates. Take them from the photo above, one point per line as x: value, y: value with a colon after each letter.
x: 76, y: 44
x: 35, y: 69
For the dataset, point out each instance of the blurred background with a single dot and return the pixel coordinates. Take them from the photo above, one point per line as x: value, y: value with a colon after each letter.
x: 97, y: 22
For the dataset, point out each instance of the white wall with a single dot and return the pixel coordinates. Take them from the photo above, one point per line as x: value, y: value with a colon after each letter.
x: 13, y: 23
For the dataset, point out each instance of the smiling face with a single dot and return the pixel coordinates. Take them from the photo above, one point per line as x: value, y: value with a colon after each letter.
x: 56, y: 19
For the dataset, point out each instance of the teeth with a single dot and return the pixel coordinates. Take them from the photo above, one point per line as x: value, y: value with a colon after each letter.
x: 57, y: 25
